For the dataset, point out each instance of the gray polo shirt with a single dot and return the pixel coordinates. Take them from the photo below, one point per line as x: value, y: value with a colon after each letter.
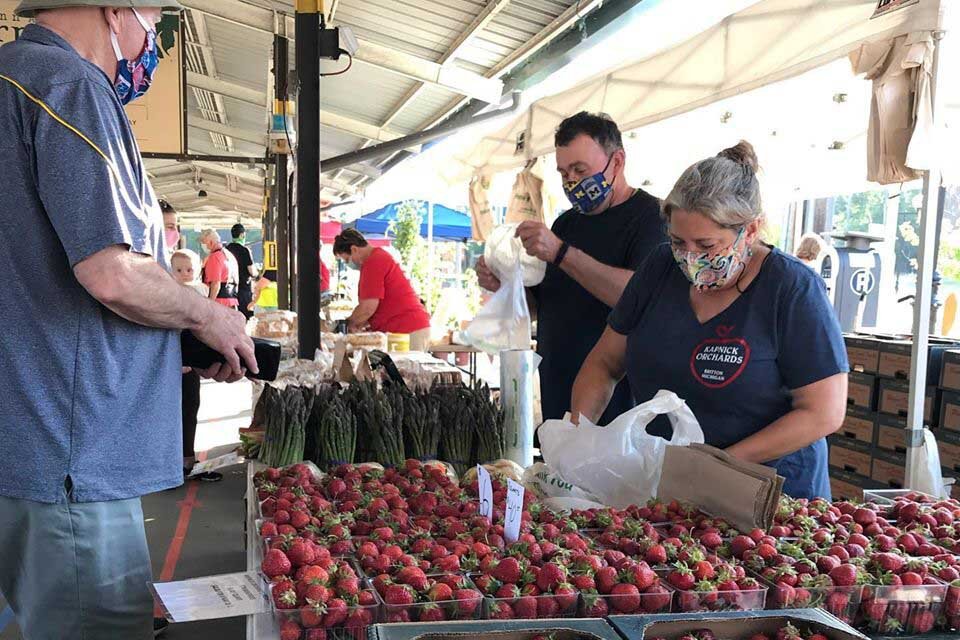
x: 84, y: 393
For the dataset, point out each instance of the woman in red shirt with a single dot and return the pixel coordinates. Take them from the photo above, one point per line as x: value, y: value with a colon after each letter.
x: 387, y: 301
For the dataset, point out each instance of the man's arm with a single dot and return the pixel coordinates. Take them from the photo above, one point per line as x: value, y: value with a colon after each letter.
x: 362, y: 314
x: 138, y: 289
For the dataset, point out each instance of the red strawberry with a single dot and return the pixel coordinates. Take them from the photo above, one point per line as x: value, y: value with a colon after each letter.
x: 551, y: 574
x: 311, y: 615
x: 703, y: 570
x: 347, y: 586
x: 656, y: 599
x: 583, y: 582
x: 656, y: 554
x: 414, y: 577
x: 740, y: 545
x: 606, y: 579
x: 845, y: 575
x: 887, y: 562
x: 440, y: 592
x: 432, y: 613
x: 500, y: 610
x: 315, y: 634
x: 594, y: 606
x: 468, y: 601
x: 547, y: 607
x: 275, y: 563
x: 642, y: 575
x: 507, y: 592
x: 508, y: 570
x: 681, y: 577
x: 711, y: 540
x: 525, y: 608
x: 299, y: 519
x: 920, y: 621
x: 290, y: 630
x: 398, y: 595
x: 336, y: 613
x: 625, y: 598
x: 566, y: 596
x: 284, y: 596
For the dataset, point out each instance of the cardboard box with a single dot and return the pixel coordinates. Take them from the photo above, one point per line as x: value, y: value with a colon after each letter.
x: 948, y: 442
x: 842, y: 490
x: 891, y: 433
x: 950, y: 411
x: 568, y: 629
x: 732, y: 624
x: 950, y: 372
x: 849, y: 455
x: 859, y: 424
x: 747, y: 495
x: 894, y: 398
x: 889, y: 469
x: 862, y: 391
x: 863, y: 352
x: 896, y: 357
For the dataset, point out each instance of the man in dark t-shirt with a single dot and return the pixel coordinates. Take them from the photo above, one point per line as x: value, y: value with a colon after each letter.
x: 591, y: 253
x: 244, y: 266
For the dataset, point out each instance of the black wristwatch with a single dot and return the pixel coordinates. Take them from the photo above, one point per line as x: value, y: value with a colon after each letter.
x: 561, y: 254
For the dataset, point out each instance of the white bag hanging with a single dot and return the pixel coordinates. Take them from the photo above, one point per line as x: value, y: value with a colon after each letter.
x: 500, y: 253
x: 930, y: 477
x: 503, y: 324
x: 620, y: 464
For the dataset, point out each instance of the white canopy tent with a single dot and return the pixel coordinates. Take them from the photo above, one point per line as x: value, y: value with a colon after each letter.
x: 768, y: 42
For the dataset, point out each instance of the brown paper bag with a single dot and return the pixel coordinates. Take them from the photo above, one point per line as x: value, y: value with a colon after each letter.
x: 481, y: 215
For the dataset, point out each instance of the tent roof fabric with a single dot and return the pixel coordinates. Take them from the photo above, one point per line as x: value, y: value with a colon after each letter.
x: 448, y: 224
x: 770, y: 41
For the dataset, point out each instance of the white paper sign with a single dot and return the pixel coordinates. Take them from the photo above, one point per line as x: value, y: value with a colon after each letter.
x: 511, y: 527
x: 485, y: 485
x: 226, y: 460
x: 213, y: 597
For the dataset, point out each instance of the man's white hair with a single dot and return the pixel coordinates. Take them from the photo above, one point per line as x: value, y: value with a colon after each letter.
x: 209, y: 233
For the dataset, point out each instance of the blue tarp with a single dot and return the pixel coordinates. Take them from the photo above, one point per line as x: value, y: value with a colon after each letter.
x: 448, y: 224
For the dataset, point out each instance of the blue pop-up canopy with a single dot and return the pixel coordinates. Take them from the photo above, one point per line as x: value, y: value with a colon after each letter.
x: 448, y: 224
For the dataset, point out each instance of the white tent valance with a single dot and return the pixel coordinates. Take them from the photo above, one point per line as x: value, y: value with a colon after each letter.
x: 765, y: 43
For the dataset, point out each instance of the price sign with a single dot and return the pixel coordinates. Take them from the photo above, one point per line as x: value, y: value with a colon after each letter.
x: 486, y: 492
x: 511, y: 528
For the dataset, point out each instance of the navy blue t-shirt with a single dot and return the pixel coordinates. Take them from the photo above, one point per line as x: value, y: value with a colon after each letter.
x: 736, y: 370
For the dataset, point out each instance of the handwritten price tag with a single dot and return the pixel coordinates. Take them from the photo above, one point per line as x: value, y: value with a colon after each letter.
x: 511, y: 527
x: 486, y: 493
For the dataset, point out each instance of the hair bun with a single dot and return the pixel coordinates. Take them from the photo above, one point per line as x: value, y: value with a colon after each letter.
x: 742, y: 154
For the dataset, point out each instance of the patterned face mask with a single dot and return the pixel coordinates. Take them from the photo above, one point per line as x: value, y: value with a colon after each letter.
x: 135, y: 76
x: 706, y: 271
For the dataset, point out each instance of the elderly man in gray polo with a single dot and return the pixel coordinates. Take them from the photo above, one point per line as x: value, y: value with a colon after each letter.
x: 90, y: 417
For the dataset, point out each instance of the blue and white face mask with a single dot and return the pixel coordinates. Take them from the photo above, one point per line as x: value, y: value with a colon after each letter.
x: 589, y: 193
x: 135, y: 76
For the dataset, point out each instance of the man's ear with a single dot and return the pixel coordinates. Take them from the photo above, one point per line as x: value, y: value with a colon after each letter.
x: 113, y: 18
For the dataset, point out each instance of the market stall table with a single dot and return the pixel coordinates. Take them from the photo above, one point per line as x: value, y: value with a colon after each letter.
x: 471, y: 369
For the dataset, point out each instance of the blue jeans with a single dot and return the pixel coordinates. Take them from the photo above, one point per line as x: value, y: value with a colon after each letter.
x: 76, y: 570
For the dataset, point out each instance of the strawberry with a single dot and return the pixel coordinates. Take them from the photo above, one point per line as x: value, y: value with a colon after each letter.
x: 507, y: 592
x: 789, y: 632
x: 594, y: 606
x: 740, y: 545
x: 583, y: 582
x: 500, y: 610
x: 432, y: 613
x: 920, y: 621
x: 336, y: 613
x: 656, y: 554
x: 887, y: 562
x: 468, y: 601
x: 703, y: 570
x: 284, y: 596
x: 681, y: 577
x: 315, y: 634
x: 656, y: 599
x: 311, y: 615
x: 547, y: 607
x: 347, y: 586
x: 290, y: 630
x: 413, y: 577
x: 566, y: 596
x: 398, y: 595
x: 440, y: 592
x: 846, y: 575
x: 606, y: 579
x: 625, y: 598
x: 641, y: 575
x: 508, y: 570
x: 299, y: 519
x: 525, y: 608
x: 551, y: 574
x: 711, y: 540
x: 275, y: 563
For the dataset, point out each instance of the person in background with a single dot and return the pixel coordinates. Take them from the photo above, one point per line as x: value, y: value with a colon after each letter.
x: 186, y: 267
x: 809, y: 251
x: 220, y: 272
x: 387, y: 301
x: 265, y: 292
x: 171, y: 227
x: 246, y: 269
x: 324, y: 277
x: 88, y: 422
x: 591, y: 252
x: 741, y: 331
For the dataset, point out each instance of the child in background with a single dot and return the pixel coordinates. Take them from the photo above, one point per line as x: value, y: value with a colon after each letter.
x: 186, y: 267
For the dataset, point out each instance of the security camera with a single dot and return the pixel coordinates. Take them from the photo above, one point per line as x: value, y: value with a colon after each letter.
x: 201, y: 194
x: 348, y: 41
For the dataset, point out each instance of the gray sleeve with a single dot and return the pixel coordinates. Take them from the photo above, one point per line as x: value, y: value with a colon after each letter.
x: 88, y: 172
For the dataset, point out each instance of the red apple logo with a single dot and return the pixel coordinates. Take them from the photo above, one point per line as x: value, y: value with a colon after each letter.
x: 717, y: 362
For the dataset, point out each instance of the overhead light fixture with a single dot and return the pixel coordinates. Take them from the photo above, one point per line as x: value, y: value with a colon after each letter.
x: 201, y: 194
x: 836, y: 146
x: 726, y: 117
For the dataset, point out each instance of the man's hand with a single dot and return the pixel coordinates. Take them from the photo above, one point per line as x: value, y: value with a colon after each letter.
x: 485, y: 277
x: 539, y: 241
x: 225, y: 332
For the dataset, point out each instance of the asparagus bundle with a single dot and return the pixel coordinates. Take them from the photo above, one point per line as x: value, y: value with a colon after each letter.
x: 489, y: 420
x: 457, y: 431
x: 337, y: 435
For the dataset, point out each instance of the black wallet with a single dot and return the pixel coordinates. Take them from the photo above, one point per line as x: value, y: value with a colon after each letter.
x: 199, y: 356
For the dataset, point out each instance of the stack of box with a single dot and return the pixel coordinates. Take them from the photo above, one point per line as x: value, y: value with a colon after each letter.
x: 869, y: 450
x: 948, y: 428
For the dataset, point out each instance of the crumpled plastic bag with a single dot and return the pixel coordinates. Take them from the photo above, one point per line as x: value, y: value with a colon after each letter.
x: 545, y: 482
x: 503, y: 324
x: 930, y: 478
x: 621, y: 463
x: 500, y: 253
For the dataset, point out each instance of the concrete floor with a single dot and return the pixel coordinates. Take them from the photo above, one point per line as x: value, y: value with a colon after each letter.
x: 214, y: 541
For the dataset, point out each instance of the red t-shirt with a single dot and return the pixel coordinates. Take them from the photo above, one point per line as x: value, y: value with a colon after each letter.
x: 324, y: 277
x: 400, y: 310
x: 221, y: 267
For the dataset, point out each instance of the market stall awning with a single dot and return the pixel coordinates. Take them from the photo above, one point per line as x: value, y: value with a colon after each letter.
x: 448, y: 224
x: 765, y: 43
x: 329, y: 229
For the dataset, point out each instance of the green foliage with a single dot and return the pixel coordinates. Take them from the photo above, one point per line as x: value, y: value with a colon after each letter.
x: 167, y: 32
x: 856, y: 212
x: 405, y: 229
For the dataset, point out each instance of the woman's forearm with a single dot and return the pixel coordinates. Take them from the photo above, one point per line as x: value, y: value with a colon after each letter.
x: 592, y: 391
x: 214, y: 290
x: 794, y: 431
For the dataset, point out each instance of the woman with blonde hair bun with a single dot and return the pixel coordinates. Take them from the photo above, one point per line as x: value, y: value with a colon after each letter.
x: 741, y: 331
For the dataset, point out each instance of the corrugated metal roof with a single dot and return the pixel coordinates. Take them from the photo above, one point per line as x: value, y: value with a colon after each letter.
x: 241, y: 55
x: 430, y: 101
x: 364, y: 93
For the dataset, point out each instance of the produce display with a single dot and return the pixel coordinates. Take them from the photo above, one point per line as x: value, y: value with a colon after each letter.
x: 412, y: 537
x: 787, y: 632
x: 331, y: 426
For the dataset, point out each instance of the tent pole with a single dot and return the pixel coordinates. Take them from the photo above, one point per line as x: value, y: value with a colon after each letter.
x: 430, y: 238
x: 921, y: 306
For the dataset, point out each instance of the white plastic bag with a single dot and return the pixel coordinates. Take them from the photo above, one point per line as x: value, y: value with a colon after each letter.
x: 503, y: 324
x: 620, y: 464
x: 500, y: 253
x: 544, y: 482
x: 930, y: 479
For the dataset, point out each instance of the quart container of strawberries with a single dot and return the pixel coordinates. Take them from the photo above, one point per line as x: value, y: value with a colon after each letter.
x: 657, y: 599
x: 950, y: 618
x: 896, y: 610
x: 441, y: 598
x: 523, y: 607
x: 693, y: 600
x: 329, y: 622
x: 841, y: 602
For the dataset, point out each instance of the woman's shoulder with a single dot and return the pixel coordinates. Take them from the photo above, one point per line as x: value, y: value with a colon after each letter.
x: 791, y: 275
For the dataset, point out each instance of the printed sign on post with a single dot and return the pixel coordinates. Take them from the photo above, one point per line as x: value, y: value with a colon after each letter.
x: 213, y: 597
x: 511, y: 527
x: 485, y: 486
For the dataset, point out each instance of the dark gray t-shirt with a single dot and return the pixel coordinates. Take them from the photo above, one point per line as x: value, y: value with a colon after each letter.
x: 85, y: 393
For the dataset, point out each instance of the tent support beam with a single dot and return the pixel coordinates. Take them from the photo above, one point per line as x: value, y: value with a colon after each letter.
x: 922, y: 303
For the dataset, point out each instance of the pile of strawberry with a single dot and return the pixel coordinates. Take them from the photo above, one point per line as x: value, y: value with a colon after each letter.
x: 706, y: 582
x: 786, y: 632
x: 412, y: 596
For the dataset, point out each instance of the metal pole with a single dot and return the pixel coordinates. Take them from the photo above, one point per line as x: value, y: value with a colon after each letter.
x: 921, y: 307
x: 308, y: 175
x: 430, y: 238
x: 281, y: 66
